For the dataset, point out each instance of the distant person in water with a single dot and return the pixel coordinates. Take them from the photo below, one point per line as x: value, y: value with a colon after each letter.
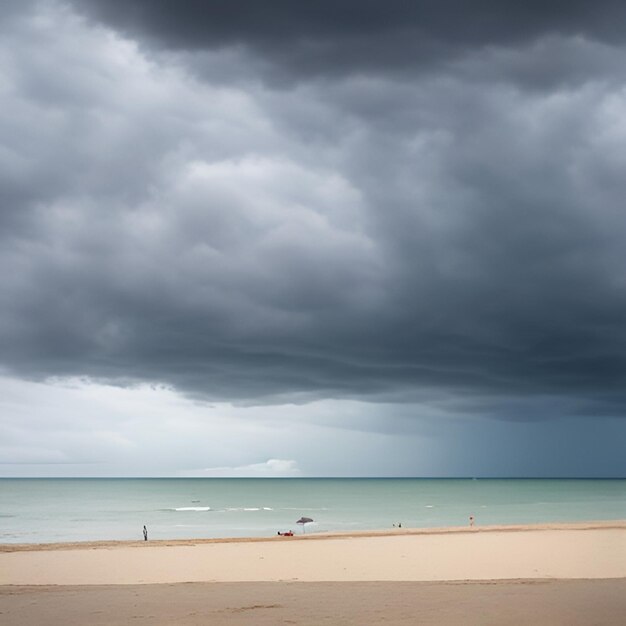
x: 145, y: 534
x: 471, y: 520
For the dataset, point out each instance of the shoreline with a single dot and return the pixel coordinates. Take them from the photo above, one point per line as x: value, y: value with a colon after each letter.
x: 590, y: 550
x: 388, y: 532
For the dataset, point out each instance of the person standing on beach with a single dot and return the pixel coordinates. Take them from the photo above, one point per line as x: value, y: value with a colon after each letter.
x: 145, y: 534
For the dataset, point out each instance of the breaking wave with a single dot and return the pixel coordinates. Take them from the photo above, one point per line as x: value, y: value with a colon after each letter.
x: 193, y: 508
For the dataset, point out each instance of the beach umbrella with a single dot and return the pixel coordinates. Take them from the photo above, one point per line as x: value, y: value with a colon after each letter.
x: 303, y: 521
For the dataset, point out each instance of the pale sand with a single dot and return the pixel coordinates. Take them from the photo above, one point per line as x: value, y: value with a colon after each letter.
x: 568, y: 551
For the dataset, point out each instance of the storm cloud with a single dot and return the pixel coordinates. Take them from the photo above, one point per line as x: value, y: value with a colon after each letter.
x: 328, y: 38
x: 266, y: 203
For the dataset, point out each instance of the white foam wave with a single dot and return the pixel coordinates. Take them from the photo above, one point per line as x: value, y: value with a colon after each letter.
x: 249, y: 508
x: 193, y: 508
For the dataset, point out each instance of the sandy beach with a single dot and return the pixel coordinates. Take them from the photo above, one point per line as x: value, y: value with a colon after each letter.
x: 442, y: 574
x: 566, y: 551
x: 506, y: 603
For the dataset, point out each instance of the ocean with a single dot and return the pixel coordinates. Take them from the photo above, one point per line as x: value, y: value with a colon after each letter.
x: 85, y: 509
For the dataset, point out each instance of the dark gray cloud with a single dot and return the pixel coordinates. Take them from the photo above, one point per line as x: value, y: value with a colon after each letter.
x: 291, y: 40
x: 455, y: 234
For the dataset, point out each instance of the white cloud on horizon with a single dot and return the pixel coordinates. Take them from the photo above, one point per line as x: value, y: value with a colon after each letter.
x: 269, y: 469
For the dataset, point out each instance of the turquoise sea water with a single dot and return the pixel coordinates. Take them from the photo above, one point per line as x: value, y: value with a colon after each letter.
x: 42, y: 510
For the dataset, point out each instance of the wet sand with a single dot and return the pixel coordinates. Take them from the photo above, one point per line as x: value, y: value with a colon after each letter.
x: 513, y: 603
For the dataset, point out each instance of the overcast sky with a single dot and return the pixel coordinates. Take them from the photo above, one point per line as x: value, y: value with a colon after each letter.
x: 307, y: 238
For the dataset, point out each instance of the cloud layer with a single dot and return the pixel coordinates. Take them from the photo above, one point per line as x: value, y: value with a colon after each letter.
x: 386, y: 202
